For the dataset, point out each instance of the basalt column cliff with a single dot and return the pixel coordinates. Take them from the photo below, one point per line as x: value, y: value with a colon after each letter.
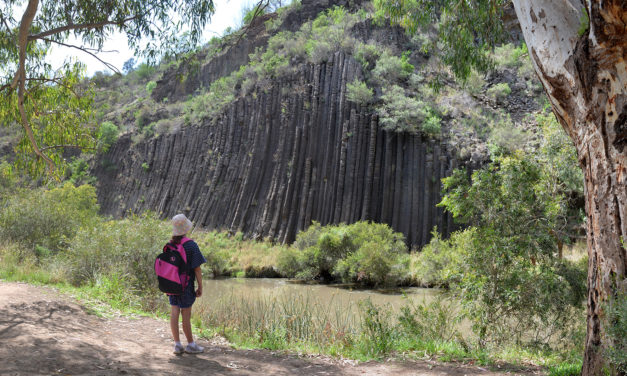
x: 281, y: 157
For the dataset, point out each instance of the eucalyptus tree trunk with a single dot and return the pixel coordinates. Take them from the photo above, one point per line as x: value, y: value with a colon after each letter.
x: 578, y: 50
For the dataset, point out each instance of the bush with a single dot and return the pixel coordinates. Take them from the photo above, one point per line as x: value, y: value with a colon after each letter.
x: 432, y: 266
x: 499, y: 91
x: 400, y: 113
x: 107, y: 136
x: 48, y: 219
x: 358, y: 92
x: 366, y: 253
x: 377, y: 331
x: 125, y: 247
x: 78, y: 172
x: 392, y: 69
x: 144, y: 71
x: 210, y: 104
x: 508, y: 271
x: 150, y: 86
x: 436, y: 321
x: 509, y: 55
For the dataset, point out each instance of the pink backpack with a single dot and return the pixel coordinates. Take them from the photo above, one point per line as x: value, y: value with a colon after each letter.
x: 171, y: 268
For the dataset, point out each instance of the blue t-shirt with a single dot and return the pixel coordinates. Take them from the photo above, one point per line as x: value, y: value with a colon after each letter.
x: 194, y: 260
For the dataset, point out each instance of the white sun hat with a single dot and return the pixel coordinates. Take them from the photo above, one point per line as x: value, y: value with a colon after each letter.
x: 180, y: 225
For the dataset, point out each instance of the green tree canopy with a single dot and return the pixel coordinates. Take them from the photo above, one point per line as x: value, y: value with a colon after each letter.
x: 53, y: 106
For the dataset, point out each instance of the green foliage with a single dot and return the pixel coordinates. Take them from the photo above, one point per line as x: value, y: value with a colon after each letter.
x: 505, y: 137
x: 433, y: 266
x: 127, y: 247
x: 584, y: 23
x: 392, y: 69
x: 358, y: 92
x: 435, y: 321
x: 566, y: 369
x: 51, y: 124
x: 558, y: 154
x: 210, y: 104
x: 474, y: 83
x: 366, y: 253
x: 499, y: 91
x: 377, y: 331
x: 616, y: 329
x: 401, y: 113
x: 367, y: 54
x: 78, y: 172
x: 150, y: 86
x: 144, y: 71
x: 508, y: 270
x: 47, y: 218
x: 107, y: 136
x: 465, y: 34
x: 510, y: 56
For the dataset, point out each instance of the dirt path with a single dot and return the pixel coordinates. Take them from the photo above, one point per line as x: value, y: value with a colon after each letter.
x: 43, y: 332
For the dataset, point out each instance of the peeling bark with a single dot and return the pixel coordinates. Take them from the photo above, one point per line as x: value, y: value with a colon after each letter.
x: 585, y: 77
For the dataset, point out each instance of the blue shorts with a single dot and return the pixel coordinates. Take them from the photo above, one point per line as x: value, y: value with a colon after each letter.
x: 183, y: 301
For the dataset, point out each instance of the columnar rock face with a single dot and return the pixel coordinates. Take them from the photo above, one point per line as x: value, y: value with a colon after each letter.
x: 287, y: 155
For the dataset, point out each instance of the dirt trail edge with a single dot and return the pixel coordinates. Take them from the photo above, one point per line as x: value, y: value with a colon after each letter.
x: 44, y: 332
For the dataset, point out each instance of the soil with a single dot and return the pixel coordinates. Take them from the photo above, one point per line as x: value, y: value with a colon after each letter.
x: 45, y: 332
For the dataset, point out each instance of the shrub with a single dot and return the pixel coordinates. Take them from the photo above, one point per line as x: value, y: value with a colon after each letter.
x: 435, y: 321
x: 499, y: 91
x: 366, y: 253
x: 392, y: 69
x: 509, y: 56
x: 432, y: 124
x: 401, y: 113
x: 433, y: 265
x: 508, y: 270
x: 150, y: 86
x: 474, y: 83
x: 78, y: 172
x: 144, y: 71
x: 377, y: 331
x: 358, y: 92
x: 367, y: 54
x: 210, y: 104
x: 127, y: 247
x: 47, y: 218
x: 107, y: 136
x: 505, y: 137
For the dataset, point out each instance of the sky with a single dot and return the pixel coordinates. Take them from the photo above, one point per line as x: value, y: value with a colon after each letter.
x: 228, y: 14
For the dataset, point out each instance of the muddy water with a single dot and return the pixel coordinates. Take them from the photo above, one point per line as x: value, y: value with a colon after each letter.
x: 344, y: 297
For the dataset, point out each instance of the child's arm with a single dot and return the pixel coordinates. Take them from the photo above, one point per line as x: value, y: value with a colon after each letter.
x: 198, y: 273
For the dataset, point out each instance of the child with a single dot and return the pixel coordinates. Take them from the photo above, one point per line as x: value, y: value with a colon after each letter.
x: 183, y: 303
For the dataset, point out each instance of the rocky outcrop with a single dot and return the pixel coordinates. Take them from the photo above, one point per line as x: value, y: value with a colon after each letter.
x: 281, y: 158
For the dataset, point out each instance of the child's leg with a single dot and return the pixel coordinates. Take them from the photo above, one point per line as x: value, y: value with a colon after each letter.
x: 187, y: 324
x: 174, y: 323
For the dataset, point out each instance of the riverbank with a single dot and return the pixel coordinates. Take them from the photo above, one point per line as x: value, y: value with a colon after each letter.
x: 55, y: 237
x: 46, y: 331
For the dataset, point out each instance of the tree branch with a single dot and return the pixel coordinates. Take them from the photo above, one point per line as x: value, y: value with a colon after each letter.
x: 66, y: 146
x: 85, y: 50
x: 79, y: 26
x: 20, y: 75
x: 259, y: 8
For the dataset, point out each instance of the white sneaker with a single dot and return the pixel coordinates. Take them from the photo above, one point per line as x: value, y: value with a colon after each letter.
x: 178, y: 349
x: 194, y: 348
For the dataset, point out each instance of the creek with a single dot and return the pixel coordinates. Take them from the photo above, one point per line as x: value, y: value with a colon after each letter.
x: 252, y: 303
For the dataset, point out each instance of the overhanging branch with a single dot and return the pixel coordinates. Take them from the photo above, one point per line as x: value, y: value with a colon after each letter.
x: 79, y: 26
x: 85, y: 50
